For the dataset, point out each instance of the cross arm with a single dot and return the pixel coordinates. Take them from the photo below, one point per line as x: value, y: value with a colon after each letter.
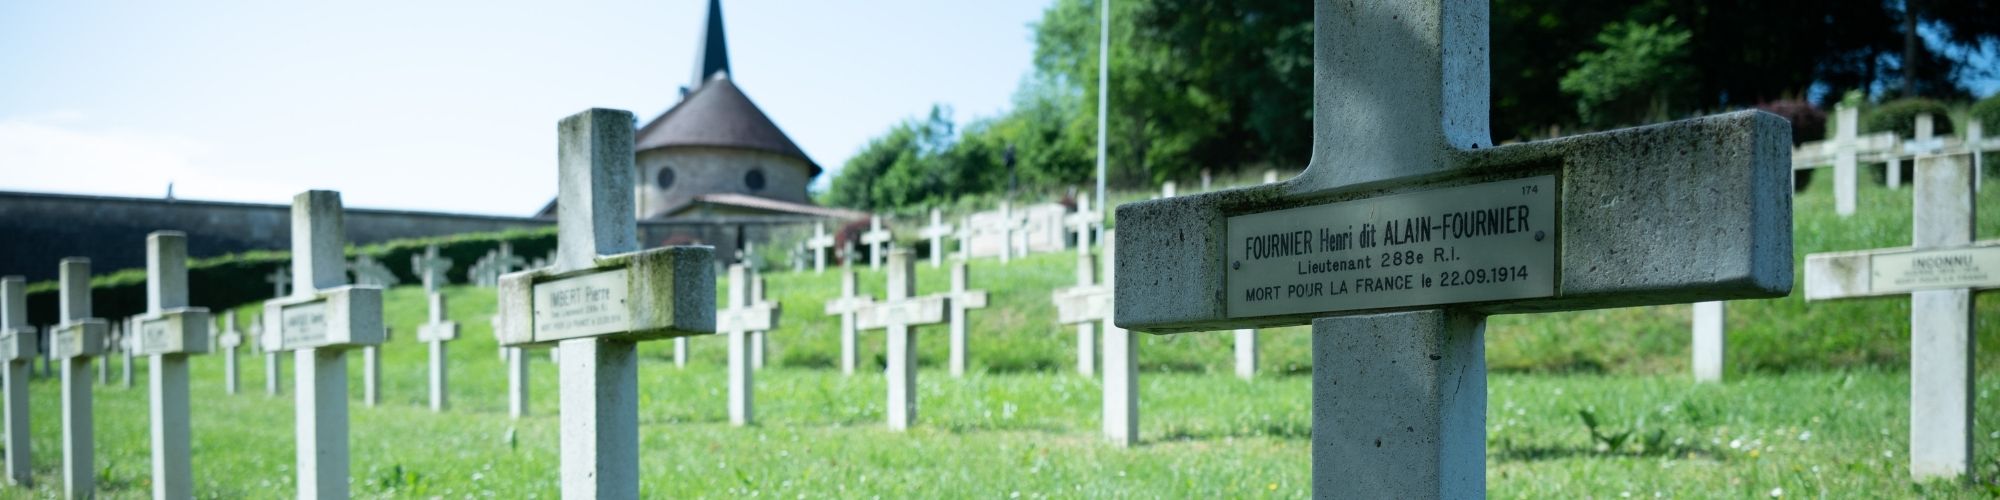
x: 1686, y: 211
x: 1850, y: 275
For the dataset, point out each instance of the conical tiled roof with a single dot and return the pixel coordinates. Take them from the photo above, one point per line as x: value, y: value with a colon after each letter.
x: 718, y: 115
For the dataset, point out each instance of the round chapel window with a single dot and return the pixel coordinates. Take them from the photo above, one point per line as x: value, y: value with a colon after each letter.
x: 754, y: 180
x: 665, y: 179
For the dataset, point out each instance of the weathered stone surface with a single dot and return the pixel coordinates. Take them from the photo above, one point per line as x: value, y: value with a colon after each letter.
x: 670, y: 293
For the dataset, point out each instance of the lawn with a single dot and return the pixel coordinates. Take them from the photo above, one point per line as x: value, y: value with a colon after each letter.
x: 1815, y: 405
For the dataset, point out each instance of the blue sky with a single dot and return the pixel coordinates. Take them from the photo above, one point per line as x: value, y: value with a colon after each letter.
x: 449, y: 106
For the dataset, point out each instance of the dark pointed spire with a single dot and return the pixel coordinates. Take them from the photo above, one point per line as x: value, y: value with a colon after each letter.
x: 713, y: 55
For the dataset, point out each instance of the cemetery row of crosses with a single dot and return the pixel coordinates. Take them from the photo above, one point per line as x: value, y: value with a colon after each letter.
x: 1394, y: 251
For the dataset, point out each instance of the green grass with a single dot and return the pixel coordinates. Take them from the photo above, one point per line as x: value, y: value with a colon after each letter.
x: 1815, y: 405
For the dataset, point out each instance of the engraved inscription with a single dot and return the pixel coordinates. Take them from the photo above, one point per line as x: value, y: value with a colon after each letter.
x: 303, y: 324
x: 155, y: 337
x: 581, y: 306
x: 1935, y: 269
x: 1489, y: 241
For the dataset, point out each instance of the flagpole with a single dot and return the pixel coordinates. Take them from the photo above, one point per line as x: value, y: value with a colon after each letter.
x: 1103, y: 92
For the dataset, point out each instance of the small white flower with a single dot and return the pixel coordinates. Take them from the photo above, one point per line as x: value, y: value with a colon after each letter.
x: 1625, y: 494
x: 1777, y: 492
x: 1559, y: 391
x: 1888, y: 453
x: 1805, y: 436
x: 1735, y: 444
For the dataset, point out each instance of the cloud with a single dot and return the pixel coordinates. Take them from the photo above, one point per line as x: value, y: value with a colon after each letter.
x: 59, y: 152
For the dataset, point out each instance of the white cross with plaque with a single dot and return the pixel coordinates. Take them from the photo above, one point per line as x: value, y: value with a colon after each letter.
x: 1410, y: 226
x: 961, y: 300
x: 319, y: 322
x: 1082, y: 306
x: 745, y: 315
x: 845, y: 306
x: 820, y: 243
x: 936, y: 233
x: 1940, y: 271
x: 229, y: 341
x: 76, y: 340
x: 877, y: 240
x: 169, y: 332
x: 17, y: 349
x: 436, y: 332
x: 897, y: 313
x: 601, y: 297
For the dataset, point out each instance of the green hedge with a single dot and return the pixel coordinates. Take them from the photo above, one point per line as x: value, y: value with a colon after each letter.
x: 1900, y: 116
x: 232, y: 280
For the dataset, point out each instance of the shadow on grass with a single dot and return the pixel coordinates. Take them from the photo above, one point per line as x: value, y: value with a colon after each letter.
x: 1547, y: 453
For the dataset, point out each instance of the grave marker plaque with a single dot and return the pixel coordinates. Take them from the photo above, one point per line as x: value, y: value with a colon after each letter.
x: 1685, y: 211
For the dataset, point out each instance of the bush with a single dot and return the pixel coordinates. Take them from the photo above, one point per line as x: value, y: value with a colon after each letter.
x: 233, y: 280
x: 1987, y: 113
x: 1900, y: 116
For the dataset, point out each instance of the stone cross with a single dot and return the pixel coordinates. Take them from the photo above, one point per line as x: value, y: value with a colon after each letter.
x: 876, y: 238
x: 123, y: 343
x: 1846, y: 133
x: 1246, y: 353
x: 1710, y: 341
x: 482, y: 273
x: 169, y: 332
x: 1006, y: 231
x: 745, y: 315
x: 961, y: 299
x: 798, y: 255
x: 964, y: 236
x: 1168, y: 189
x: 273, y: 364
x: 77, y: 339
x: 436, y: 332
x: 370, y: 272
x: 820, y: 243
x: 1073, y: 306
x: 517, y: 380
x: 1097, y: 304
x: 897, y: 313
x: 17, y: 349
x: 936, y: 232
x: 280, y: 280
x: 431, y: 268
x: 104, y: 369
x: 1939, y: 271
x: 505, y: 260
x: 231, y: 339
x: 1083, y: 221
x: 845, y: 306
x: 759, y: 337
x: 1925, y: 143
x: 603, y: 295
x: 318, y: 323
x: 1410, y: 226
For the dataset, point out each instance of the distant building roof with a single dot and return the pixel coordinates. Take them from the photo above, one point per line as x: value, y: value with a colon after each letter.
x: 718, y: 115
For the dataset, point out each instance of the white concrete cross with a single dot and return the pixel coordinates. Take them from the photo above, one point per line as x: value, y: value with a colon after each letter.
x: 1085, y: 305
x: 877, y: 240
x: 798, y: 255
x: 370, y: 272
x: 516, y: 359
x: 439, y: 330
x: 744, y: 316
x: 820, y: 243
x: 1711, y: 339
x: 280, y: 280
x: 232, y: 380
x: 1939, y: 271
x: 17, y: 349
x: 1410, y: 226
x: 602, y: 296
x: 961, y: 300
x: 1846, y: 130
x: 273, y: 363
x: 1168, y: 190
x: 505, y: 260
x: 1007, y: 224
x: 431, y: 268
x: 482, y: 272
x: 104, y: 369
x: 1083, y: 221
x: 936, y: 232
x: 759, y: 338
x: 898, y: 313
x: 1074, y: 306
x: 169, y: 332
x: 319, y: 322
x: 964, y: 235
x: 76, y: 340
x: 1925, y: 143
x: 123, y: 343
x: 845, y: 307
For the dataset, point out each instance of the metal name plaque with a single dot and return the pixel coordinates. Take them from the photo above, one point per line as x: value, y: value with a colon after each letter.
x: 1975, y: 267
x: 157, y: 337
x: 303, y: 324
x: 582, y: 306
x: 1490, y: 241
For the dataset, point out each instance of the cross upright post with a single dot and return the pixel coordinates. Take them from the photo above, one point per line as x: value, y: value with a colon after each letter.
x: 1940, y: 271
x: 846, y: 306
x: 232, y: 379
x: 744, y: 316
x: 169, y: 332
x: 1083, y: 222
x: 1006, y: 231
x: 820, y: 243
x: 17, y: 349
x: 601, y: 296
x: 1846, y: 130
x: 1410, y: 226
x: 438, y: 331
x: 936, y: 232
x: 77, y: 339
x: 1073, y: 307
x: 322, y: 319
x: 759, y: 337
x: 900, y: 310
